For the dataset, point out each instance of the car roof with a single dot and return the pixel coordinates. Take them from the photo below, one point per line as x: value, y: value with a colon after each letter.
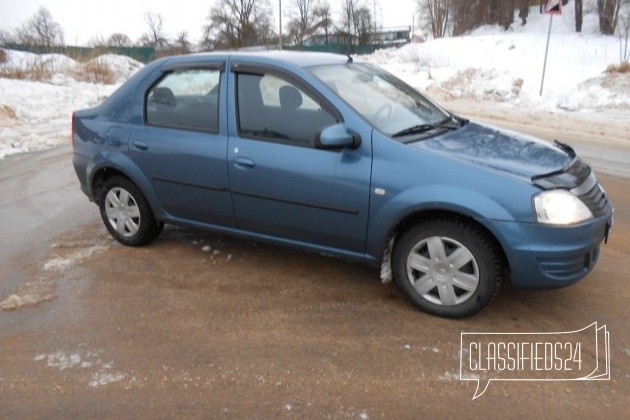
x: 295, y: 58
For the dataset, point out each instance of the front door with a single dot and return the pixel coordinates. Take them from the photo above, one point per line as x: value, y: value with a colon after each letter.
x: 282, y: 186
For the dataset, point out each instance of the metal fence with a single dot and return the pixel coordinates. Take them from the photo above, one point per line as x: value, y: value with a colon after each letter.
x: 338, y: 48
x: 142, y: 54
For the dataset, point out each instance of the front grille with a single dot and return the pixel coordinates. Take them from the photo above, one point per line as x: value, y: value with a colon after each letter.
x: 596, y: 200
x: 593, y: 195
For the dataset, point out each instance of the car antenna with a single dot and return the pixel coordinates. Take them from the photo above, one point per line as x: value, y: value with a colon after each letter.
x: 349, y: 58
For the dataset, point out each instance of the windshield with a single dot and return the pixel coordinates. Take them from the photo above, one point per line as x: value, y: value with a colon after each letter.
x: 387, y: 102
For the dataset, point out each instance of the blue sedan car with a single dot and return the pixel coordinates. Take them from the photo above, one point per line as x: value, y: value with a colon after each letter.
x: 322, y: 153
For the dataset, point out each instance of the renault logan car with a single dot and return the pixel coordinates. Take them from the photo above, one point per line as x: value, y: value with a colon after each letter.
x: 326, y: 154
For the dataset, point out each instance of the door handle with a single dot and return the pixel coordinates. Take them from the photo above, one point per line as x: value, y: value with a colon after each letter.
x: 140, y: 145
x: 244, y: 163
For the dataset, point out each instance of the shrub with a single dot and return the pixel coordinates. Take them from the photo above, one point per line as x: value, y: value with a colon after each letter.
x: 34, y: 70
x: 619, y: 68
x: 3, y: 56
x: 96, y: 70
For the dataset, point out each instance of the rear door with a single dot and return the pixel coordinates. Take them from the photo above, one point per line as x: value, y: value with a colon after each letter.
x: 281, y: 184
x: 182, y: 147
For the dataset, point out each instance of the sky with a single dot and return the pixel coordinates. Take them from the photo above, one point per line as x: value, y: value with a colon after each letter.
x: 82, y: 20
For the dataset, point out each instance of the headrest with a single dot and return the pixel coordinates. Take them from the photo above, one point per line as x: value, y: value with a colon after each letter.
x: 290, y: 97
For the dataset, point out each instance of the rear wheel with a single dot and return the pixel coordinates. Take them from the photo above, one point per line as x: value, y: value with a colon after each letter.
x: 447, y: 267
x: 126, y: 214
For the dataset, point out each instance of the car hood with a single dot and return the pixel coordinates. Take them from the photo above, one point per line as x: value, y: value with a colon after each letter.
x: 507, y: 151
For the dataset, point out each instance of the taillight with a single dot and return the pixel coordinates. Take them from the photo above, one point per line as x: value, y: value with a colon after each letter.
x: 73, y: 129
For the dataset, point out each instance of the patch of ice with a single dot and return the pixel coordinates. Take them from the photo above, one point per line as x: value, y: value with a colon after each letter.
x: 16, y: 301
x: 103, y: 378
x: 449, y: 376
x: 63, y: 361
x: 77, y: 257
x: 206, y: 248
x: 103, y: 373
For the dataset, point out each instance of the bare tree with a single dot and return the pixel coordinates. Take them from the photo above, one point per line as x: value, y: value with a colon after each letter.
x: 207, y: 41
x: 323, y: 15
x: 624, y: 32
x: 239, y: 23
x: 6, y: 37
x: 608, y: 11
x: 302, y: 21
x: 304, y: 16
x: 294, y: 33
x: 578, y: 15
x: 348, y: 9
x: 363, y: 24
x: 523, y: 11
x: 97, y: 41
x: 182, y: 43
x: 41, y: 30
x: 437, y: 14
x: 155, y: 36
x: 119, y: 40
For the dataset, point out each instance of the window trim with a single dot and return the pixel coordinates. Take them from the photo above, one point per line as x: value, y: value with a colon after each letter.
x: 170, y: 69
x: 238, y: 67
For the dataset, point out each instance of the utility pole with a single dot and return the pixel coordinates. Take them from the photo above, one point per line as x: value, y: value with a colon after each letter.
x: 280, y: 19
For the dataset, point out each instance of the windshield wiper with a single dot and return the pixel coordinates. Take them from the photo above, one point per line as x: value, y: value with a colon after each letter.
x: 421, y: 128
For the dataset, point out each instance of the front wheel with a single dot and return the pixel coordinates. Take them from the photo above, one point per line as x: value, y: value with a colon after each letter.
x: 126, y: 214
x: 447, y: 267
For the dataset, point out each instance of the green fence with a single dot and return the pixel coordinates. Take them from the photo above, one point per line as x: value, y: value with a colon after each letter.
x: 143, y: 54
x: 337, y: 48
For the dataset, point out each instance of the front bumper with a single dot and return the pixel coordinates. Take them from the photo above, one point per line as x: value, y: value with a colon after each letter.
x: 544, y: 257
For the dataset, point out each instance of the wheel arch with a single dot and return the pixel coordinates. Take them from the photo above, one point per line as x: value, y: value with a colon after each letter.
x: 108, y: 165
x: 418, y: 216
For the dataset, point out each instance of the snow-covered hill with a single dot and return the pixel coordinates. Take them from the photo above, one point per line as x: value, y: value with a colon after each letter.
x: 35, y: 114
x: 495, y: 65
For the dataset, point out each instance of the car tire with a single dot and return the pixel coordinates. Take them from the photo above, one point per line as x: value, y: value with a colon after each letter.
x: 126, y: 213
x: 447, y: 267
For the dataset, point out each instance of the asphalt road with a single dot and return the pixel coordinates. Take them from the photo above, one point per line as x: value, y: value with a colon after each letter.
x: 198, y: 325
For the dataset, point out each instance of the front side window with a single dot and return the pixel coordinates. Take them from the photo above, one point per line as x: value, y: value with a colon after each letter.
x: 185, y: 99
x: 270, y: 107
x: 381, y: 98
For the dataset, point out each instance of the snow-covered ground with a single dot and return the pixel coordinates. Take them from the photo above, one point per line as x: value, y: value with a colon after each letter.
x: 493, y: 65
x: 489, y: 65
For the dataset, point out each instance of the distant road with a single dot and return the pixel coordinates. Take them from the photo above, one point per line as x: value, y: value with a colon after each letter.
x: 602, y: 138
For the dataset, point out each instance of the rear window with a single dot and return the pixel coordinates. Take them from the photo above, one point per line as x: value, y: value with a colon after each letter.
x: 186, y: 99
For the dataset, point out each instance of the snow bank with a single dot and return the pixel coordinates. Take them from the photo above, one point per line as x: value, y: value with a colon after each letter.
x: 495, y: 65
x: 45, y: 67
x: 36, y: 114
x: 489, y: 66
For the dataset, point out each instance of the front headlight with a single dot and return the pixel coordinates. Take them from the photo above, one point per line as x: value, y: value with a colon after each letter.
x: 561, y: 208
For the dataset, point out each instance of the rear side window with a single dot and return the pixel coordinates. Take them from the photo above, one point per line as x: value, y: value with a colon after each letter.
x: 185, y: 99
x: 272, y: 108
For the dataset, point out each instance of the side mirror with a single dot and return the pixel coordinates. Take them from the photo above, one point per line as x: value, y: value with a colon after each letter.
x: 336, y: 137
